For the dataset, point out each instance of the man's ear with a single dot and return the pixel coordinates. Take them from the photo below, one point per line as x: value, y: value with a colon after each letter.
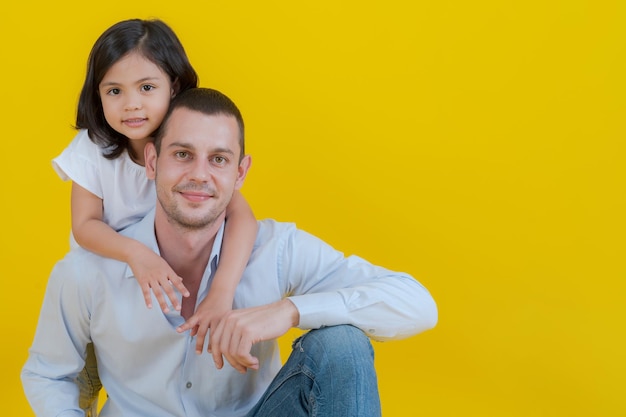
x: 150, y: 156
x: 244, y: 166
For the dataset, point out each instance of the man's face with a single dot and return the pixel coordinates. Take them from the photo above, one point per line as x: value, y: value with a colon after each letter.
x: 198, y: 167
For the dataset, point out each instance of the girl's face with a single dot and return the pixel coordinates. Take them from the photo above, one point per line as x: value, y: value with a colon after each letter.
x: 135, y: 96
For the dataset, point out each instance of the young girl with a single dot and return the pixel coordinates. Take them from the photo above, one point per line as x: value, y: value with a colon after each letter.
x: 134, y: 69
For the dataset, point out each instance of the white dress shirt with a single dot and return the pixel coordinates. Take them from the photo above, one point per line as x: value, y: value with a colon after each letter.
x: 148, y: 369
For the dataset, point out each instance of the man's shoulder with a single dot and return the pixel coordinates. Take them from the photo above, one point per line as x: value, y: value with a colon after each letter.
x: 273, y: 229
x: 83, y: 266
x: 286, y: 235
x: 142, y: 230
x: 79, y: 255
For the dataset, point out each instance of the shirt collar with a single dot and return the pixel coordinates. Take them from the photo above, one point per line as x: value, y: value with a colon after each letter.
x: 143, y: 231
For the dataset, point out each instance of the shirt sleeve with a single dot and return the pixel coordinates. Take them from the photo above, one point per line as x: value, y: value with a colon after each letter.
x: 329, y: 289
x: 79, y: 162
x: 58, y: 350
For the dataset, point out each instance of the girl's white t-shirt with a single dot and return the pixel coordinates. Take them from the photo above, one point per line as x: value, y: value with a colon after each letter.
x: 127, y: 194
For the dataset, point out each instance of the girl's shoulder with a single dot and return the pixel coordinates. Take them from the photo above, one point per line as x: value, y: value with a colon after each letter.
x: 82, y: 158
x: 83, y: 145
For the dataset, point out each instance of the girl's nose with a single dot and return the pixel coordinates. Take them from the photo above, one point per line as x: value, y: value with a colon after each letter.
x: 133, y: 102
x: 132, y: 106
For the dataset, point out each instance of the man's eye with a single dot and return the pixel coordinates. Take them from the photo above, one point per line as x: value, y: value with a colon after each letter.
x: 219, y: 160
x: 182, y: 155
x: 147, y: 87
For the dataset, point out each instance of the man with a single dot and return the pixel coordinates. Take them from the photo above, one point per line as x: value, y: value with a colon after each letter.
x: 292, y: 279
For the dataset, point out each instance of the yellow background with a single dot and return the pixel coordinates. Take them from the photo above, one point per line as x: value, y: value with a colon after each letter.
x: 478, y: 145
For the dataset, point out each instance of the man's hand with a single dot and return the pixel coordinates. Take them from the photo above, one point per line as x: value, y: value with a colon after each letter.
x: 240, y: 329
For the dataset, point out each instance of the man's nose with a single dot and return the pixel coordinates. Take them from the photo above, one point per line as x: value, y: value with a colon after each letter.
x: 200, y: 170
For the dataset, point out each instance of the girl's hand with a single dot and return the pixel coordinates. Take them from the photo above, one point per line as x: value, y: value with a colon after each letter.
x: 206, y: 316
x: 154, y: 273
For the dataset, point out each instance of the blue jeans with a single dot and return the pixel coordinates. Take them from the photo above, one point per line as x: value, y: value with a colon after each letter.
x: 330, y: 373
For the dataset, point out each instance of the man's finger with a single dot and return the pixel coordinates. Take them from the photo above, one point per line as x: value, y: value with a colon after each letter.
x: 214, y: 345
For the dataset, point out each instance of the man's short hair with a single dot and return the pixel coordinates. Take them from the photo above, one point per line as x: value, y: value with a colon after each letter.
x: 206, y: 101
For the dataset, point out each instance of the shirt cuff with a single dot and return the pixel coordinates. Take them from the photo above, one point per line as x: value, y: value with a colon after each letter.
x: 320, y: 310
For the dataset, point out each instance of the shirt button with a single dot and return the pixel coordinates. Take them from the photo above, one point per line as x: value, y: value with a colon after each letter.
x: 188, y: 385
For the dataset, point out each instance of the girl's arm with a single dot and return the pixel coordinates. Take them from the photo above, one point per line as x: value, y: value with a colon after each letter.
x: 239, y: 237
x: 93, y: 234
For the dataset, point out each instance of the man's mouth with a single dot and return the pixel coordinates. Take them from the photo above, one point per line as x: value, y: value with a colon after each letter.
x: 196, y: 196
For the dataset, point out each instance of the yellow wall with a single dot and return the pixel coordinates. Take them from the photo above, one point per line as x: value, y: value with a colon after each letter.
x: 478, y: 145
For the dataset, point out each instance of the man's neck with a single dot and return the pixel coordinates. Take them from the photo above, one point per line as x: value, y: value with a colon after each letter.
x: 187, y: 252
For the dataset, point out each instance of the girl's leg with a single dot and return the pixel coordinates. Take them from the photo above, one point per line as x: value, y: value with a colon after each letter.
x: 89, y: 384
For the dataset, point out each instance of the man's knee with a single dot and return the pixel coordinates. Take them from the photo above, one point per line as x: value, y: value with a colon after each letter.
x: 344, y: 344
x: 340, y: 362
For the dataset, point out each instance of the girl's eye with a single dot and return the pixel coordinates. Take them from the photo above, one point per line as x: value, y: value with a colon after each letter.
x: 147, y: 88
x: 113, y: 91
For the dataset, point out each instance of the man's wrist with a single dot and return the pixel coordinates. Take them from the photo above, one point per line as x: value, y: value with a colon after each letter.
x: 293, y: 312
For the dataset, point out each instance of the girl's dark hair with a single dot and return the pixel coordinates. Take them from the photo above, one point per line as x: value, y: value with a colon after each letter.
x: 154, y: 40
